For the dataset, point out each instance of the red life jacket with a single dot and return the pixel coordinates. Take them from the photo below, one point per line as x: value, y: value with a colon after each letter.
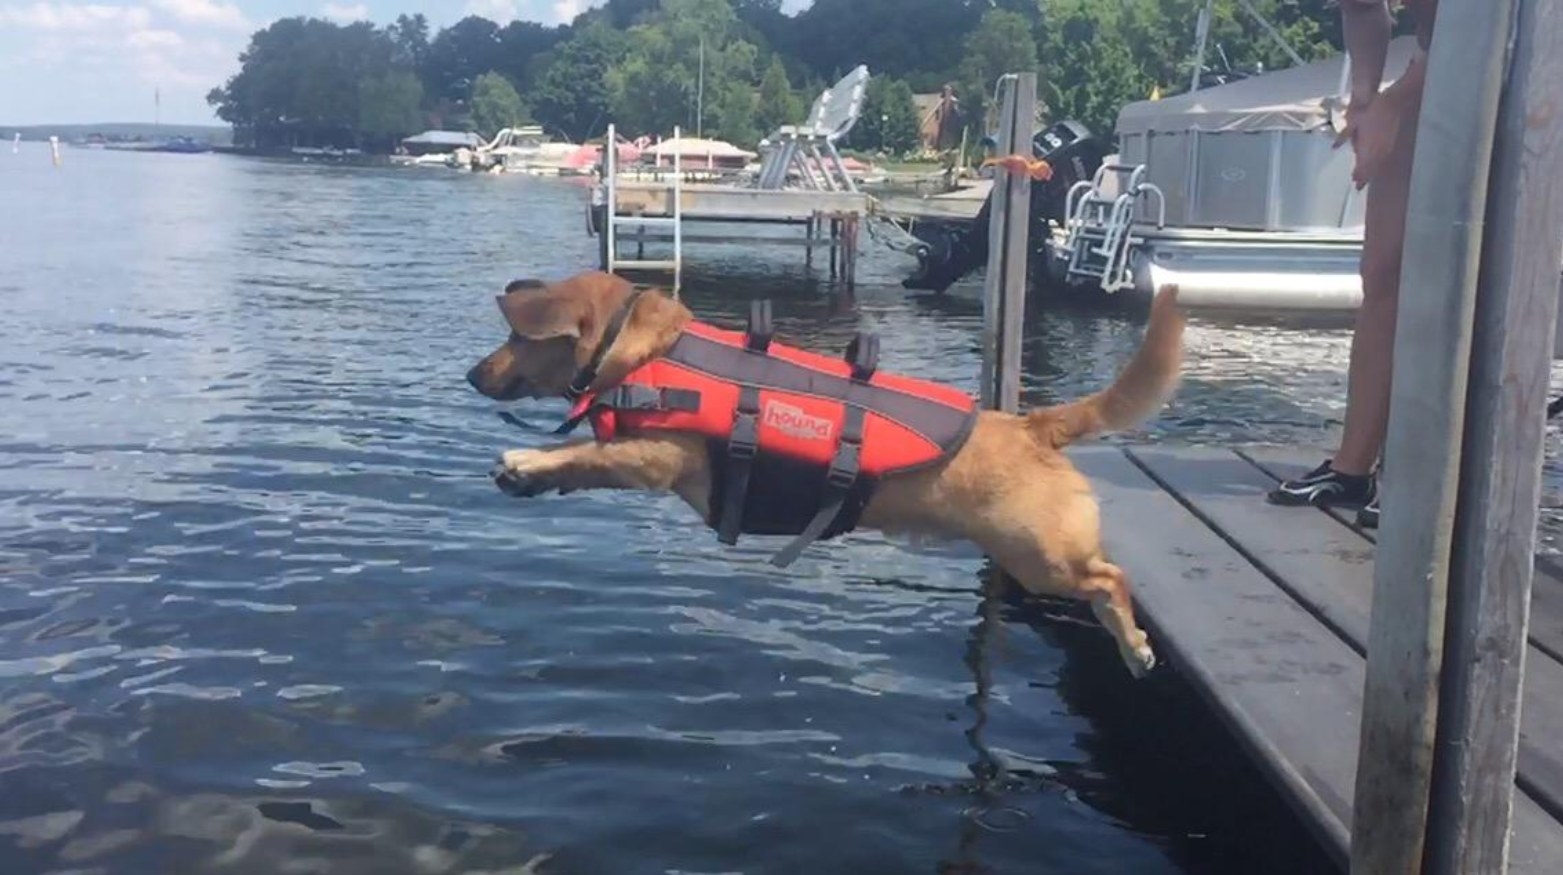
x: 798, y: 440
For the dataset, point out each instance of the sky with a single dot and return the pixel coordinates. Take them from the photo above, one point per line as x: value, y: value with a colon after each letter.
x: 87, y: 61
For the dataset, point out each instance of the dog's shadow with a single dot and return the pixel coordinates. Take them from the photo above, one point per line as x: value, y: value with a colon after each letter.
x: 1157, y: 760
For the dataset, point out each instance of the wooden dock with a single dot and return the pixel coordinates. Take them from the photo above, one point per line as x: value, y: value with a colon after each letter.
x: 1264, y: 610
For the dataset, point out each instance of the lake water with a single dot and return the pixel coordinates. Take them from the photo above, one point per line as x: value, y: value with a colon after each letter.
x: 263, y: 611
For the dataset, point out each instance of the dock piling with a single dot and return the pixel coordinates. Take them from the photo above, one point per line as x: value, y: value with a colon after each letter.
x: 1004, y: 297
x: 1491, y: 569
x: 1462, y: 462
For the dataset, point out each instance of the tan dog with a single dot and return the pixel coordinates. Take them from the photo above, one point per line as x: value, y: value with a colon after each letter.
x: 1009, y: 489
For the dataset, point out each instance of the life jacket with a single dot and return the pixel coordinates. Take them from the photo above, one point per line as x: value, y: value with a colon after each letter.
x: 798, y: 440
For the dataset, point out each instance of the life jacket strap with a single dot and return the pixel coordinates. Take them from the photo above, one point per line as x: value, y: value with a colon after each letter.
x: 845, y: 466
x: 742, y: 446
x: 637, y: 398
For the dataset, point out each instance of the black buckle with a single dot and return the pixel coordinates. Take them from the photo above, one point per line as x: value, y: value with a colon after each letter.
x: 845, y: 464
x: 757, y: 337
x: 745, y: 440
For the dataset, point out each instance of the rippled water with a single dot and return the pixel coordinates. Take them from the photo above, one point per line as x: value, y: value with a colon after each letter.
x: 262, y: 610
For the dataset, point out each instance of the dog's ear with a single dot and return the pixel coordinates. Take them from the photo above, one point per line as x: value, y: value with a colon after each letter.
x: 541, y: 316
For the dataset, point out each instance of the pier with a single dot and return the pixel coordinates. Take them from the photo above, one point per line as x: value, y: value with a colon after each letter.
x: 1264, y: 612
x: 1402, y: 689
x: 802, y: 191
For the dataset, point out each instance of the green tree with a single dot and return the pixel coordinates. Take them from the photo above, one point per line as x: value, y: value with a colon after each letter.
x: 572, y: 94
x: 654, y: 87
x: 900, y: 118
x: 389, y: 108
x: 495, y: 104
x: 889, y: 119
x: 1003, y: 42
x: 777, y: 104
x: 410, y: 35
x: 1091, y: 72
x: 299, y: 83
x: 459, y: 55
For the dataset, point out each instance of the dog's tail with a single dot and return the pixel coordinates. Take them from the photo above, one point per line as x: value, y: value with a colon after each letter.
x: 1138, y: 392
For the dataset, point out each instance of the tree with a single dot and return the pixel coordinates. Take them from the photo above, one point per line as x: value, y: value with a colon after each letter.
x: 654, y: 87
x: 410, y: 35
x: 889, y: 120
x: 520, y: 43
x: 495, y: 104
x: 299, y: 82
x: 572, y: 94
x: 900, y: 119
x: 388, y: 107
x: 458, y: 55
x: 1001, y: 43
x: 1091, y: 72
x: 777, y: 104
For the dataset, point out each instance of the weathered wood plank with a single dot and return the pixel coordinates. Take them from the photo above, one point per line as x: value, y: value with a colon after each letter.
x: 1004, y: 295
x: 1546, y: 609
x: 1289, y: 688
x: 1329, y: 568
x: 1443, y: 239
x: 1487, y: 669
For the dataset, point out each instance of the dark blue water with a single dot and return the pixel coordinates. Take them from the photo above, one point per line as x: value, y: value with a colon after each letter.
x: 262, y: 610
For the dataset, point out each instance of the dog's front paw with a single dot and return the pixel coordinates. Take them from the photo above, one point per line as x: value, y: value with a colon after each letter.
x: 1141, y: 661
x: 518, y: 473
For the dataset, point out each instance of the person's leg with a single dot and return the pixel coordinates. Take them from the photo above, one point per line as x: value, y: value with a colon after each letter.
x: 1347, y: 478
x: 1368, y: 376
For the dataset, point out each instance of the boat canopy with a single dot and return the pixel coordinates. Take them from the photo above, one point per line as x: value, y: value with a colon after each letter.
x: 445, y: 138
x: 1292, y: 99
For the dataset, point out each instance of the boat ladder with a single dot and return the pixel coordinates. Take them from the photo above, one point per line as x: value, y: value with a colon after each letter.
x: 613, y: 220
x: 1099, y: 227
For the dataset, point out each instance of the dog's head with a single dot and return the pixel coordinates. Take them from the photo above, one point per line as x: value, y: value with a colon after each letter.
x: 554, y: 330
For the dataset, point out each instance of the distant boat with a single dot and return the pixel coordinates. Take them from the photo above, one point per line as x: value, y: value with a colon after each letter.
x: 182, y: 145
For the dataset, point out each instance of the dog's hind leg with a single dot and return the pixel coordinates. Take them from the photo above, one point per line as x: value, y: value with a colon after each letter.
x: 658, y: 464
x: 1097, y: 581
x: 1108, y: 589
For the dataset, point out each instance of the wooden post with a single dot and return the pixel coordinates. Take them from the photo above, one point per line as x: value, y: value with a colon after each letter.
x: 832, y: 248
x: 1004, y: 301
x: 1500, y: 474
x: 1422, y: 453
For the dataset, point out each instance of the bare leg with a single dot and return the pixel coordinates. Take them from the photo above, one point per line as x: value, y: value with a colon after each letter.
x: 1368, y: 376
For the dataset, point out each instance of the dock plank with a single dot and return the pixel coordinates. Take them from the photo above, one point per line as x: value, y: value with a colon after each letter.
x: 1289, y: 688
x: 1280, y: 676
x: 1546, y: 598
x: 1329, y: 568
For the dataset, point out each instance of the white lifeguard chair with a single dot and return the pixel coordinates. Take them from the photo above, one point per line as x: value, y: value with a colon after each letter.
x: 810, y: 148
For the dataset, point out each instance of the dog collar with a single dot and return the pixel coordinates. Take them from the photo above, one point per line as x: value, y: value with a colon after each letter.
x: 586, y: 376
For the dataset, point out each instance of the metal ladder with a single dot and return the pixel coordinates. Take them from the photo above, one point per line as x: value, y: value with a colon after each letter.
x: 1098, y: 228
x: 612, y: 218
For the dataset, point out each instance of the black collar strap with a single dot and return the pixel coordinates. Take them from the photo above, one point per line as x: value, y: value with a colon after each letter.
x: 588, y: 375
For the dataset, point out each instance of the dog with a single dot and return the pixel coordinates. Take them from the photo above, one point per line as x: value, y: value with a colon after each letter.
x: 1009, y: 488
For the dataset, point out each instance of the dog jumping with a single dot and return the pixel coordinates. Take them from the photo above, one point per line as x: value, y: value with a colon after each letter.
x: 762, y: 438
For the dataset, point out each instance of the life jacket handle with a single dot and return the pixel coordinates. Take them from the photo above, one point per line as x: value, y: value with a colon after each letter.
x: 757, y: 337
x: 863, y: 356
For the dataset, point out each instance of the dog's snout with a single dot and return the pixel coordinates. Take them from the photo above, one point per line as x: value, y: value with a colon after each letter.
x: 475, y: 377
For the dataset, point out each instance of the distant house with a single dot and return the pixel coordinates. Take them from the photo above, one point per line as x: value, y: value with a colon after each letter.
x: 938, y: 120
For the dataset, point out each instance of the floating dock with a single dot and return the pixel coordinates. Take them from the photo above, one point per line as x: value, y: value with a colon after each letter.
x: 662, y: 212
x: 1263, y: 610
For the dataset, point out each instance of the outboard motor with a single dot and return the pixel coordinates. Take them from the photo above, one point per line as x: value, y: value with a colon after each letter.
x: 948, y: 252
